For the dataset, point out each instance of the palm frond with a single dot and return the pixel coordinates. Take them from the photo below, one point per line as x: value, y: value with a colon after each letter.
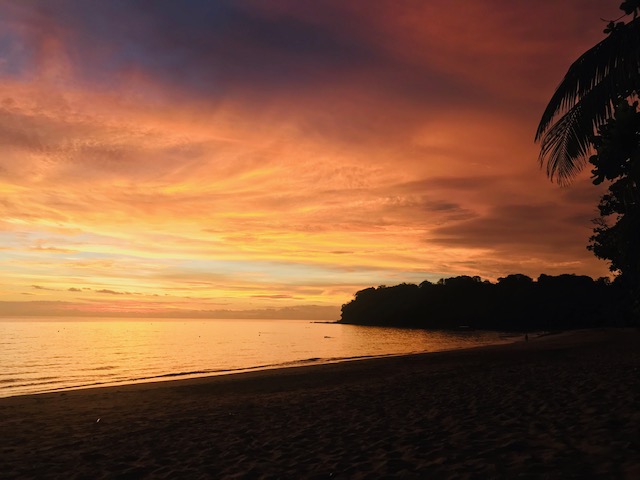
x: 586, y: 98
x: 615, y: 59
x: 566, y: 145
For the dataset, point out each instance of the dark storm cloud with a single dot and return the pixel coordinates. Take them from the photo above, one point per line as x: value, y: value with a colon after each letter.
x: 203, y: 47
x: 199, y: 41
x: 541, y: 228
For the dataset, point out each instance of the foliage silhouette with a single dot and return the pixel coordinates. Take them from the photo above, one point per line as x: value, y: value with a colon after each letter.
x: 587, y: 96
x: 594, y: 96
x: 514, y: 303
x: 618, y: 160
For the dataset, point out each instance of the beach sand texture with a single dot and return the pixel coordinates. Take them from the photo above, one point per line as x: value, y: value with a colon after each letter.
x: 562, y: 406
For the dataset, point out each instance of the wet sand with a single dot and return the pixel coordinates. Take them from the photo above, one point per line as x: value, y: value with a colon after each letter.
x: 562, y: 406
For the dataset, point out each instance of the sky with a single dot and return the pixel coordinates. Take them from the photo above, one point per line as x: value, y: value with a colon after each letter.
x: 270, y: 158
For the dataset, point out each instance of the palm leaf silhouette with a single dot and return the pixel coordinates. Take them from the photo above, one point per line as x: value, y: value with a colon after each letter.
x: 586, y: 98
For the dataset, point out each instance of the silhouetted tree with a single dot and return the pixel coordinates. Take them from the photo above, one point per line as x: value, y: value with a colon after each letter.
x: 515, y: 303
x: 594, y: 96
x: 587, y: 96
x: 515, y: 280
x: 617, y: 236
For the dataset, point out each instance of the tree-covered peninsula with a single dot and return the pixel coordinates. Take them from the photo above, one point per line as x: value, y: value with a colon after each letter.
x: 514, y: 303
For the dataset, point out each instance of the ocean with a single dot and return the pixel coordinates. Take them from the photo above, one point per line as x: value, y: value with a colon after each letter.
x: 43, y: 355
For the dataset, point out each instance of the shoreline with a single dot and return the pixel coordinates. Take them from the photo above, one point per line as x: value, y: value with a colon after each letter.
x: 279, y: 369
x: 206, y: 373
x: 557, y: 406
x: 510, y: 340
x: 186, y: 377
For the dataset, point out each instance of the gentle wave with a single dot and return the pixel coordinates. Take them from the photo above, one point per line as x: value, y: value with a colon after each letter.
x: 99, y: 369
x: 187, y: 374
x: 40, y: 384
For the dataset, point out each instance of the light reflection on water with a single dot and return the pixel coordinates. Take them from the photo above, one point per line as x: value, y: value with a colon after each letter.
x: 39, y: 356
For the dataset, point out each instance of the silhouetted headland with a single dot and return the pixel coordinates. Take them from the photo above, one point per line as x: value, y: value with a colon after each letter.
x: 514, y: 303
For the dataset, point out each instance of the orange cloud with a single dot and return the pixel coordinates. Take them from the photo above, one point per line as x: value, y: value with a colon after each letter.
x: 331, y: 154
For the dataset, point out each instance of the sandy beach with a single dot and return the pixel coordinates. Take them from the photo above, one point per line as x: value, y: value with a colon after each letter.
x: 561, y: 406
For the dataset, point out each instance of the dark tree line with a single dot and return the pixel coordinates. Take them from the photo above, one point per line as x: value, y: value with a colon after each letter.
x: 617, y: 234
x: 595, y: 108
x: 514, y: 303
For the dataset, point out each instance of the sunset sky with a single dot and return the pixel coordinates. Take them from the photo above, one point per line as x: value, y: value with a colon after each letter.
x: 271, y: 158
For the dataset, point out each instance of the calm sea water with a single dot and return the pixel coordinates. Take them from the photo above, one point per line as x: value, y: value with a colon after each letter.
x: 43, y: 355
